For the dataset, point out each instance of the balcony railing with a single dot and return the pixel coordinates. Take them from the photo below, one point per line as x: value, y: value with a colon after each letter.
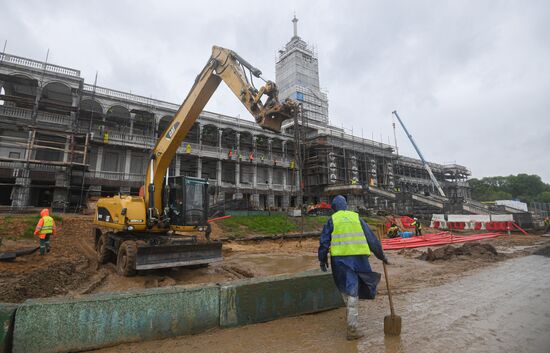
x: 40, y: 65
x: 13, y: 112
x: 117, y: 176
x: 53, y: 118
x: 26, y: 114
x: 130, y: 97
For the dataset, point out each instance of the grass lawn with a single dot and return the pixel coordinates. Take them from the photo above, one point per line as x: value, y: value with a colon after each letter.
x: 241, y: 226
x: 21, y: 226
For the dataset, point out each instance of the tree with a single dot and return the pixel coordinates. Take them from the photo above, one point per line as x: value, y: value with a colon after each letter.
x: 544, y: 197
x: 522, y: 187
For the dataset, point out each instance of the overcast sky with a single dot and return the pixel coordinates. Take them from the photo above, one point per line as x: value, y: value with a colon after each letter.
x: 471, y: 79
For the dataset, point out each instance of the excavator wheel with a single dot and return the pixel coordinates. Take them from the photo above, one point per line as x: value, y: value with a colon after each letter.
x: 126, y: 259
x: 104, y: 255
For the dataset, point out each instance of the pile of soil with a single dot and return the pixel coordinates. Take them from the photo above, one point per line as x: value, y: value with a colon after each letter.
x: 56, y: 279
x: 473, y: 250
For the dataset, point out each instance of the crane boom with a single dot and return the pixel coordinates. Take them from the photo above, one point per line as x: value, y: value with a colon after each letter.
x: 426, y: 165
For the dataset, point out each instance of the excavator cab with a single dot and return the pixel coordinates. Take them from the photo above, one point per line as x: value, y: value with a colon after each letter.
x: 187, y: 201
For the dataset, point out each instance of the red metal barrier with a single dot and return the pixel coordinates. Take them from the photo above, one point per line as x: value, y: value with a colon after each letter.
x: 441, y: 238
x: 218, y: 218
x: 477, y: 226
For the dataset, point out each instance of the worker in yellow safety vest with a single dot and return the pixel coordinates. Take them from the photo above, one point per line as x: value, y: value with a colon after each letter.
x: 417, y: 227
x: 44, y: 229
x: 350, y: 241
x: 546, y: 224
x: 393, y: 232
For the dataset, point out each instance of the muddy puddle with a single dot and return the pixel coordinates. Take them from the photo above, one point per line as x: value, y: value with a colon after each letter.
x: 235, y: 266
x: 268, y: 264
x: 501, y: 308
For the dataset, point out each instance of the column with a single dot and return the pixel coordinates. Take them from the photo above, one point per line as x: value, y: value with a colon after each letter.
x: 269, y: 152
x: 255, y: 175
x: 20, y: 195
x: 36, y: 101
x: 75, y: 104
x: 219, y: 173
x: 66, y: 149
x: 286, y: 201
x: 177, y: 165
x: 199, y: 167
x: 155, y: 126
x: 237, y: 174
x: 270, y: 195
x: 99, y: 161
x: 220, y: 132
x: 127, y: 163
x: 132, y: 117
x: 200, y: 137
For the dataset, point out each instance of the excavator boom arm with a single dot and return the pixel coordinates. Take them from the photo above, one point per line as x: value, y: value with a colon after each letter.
x: 224, y: 65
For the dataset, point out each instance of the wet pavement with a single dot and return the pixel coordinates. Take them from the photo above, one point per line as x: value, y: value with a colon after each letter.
x: 505, y: 308
x: 501, y: 308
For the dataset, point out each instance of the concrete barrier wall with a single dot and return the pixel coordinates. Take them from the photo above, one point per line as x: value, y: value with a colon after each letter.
x: 65, y: 325
x: 95, y: 321
x: 258, y: 300
x: 7, y: 314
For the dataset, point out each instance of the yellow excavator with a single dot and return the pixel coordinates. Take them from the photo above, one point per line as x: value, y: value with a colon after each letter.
x: 160, y: 228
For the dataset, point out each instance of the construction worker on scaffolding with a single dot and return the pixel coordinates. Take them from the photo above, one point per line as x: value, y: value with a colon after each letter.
x: 417, y: 227
x: 350, y: 241
x: 44, y: 229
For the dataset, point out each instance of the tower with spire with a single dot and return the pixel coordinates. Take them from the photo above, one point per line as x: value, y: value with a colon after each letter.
x: 297, y: 76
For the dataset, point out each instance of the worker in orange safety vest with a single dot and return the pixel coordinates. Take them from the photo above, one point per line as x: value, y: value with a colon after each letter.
x: 44, y: 229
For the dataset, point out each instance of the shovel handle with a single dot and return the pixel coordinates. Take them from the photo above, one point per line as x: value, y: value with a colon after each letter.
x: 387, y: 279
x: 388, y: 287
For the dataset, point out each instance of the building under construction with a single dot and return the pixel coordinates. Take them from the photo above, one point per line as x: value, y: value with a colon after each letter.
x: 64, y: 142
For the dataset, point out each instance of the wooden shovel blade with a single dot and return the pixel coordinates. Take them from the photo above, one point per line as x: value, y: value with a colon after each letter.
x: 392, y: 325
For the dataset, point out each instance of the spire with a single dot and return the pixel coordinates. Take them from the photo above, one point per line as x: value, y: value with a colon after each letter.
x: 295, y: 22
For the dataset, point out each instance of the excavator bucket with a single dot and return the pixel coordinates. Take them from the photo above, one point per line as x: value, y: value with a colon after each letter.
x: 273, y: 122
x: 177, y: 254
x: 274, y: 116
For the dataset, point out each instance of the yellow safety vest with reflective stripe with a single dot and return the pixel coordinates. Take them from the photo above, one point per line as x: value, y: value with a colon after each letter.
x: 47, y: 226
x: 348, y: 237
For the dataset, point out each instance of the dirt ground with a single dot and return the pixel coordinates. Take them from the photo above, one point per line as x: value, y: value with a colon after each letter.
x: 482, y: 310
x: 71, y: 269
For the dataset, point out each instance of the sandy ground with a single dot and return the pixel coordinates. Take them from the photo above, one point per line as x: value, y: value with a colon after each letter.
x: 71, y: 268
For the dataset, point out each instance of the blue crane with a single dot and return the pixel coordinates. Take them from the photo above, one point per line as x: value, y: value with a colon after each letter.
x: 426, y: 165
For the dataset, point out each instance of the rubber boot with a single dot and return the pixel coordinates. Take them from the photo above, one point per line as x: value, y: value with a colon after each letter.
x: 352, y: 316
x: 42, y: 247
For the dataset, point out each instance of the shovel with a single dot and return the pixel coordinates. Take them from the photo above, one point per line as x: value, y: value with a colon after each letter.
x: 392, y: 322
